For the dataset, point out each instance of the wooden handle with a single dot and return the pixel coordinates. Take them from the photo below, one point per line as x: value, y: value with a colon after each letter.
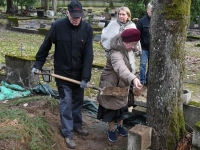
x: 65, y: 78
x: 73, y: 81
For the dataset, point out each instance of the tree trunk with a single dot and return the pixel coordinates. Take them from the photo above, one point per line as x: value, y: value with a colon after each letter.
x: 42, y: 3
x: 9, y: 6
x: 54, y: 6
x: 46, y: 5
x: 168, y: 30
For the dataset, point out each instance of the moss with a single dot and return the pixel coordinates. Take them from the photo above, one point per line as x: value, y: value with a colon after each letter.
x: 197, y: 125
x: 193, y: 37
x: 193, y: 103
x: 97, y: 32
x: 170, y: 142
x: 12, y: 21
x: 2, y: 73
x: 177, y: 127
x: 30, y: 58
x: 98, y: 66
x: 97, y: 28
x: 177, y: 9
x: 43, y: 31
x: 27, y: 18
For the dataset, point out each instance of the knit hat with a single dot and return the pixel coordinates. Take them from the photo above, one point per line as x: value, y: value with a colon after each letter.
x: 75, y: 9
x: 130, y: 35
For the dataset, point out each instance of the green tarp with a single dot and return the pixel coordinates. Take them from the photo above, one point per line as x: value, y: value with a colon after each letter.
x: 10, y: 91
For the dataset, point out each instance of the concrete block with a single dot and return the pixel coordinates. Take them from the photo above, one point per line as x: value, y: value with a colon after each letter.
x: 186, y: 96
x: 191, y: 116
x: 139, y: 137
x: 196, y: 138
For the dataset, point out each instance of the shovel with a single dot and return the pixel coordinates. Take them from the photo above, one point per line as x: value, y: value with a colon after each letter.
x: 109, y: 91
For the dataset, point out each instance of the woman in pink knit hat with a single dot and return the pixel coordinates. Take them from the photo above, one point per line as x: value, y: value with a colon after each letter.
x: 119, y: 71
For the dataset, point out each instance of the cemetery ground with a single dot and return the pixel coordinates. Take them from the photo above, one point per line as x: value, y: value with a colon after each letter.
x: 33, y: 123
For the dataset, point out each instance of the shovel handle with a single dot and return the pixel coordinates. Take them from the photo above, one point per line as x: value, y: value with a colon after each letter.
x: 65, y: 78
x: 70, y: 80
x: 74, y: 81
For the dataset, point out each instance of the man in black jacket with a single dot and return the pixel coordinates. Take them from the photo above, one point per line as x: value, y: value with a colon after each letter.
x: 73, y: 58
x: 143, y: 25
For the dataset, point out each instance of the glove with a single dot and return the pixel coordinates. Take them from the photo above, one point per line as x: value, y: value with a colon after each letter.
x: 34, y: 70
x: 84, y: 84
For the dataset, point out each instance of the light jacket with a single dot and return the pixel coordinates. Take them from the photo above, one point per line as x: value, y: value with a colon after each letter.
x: 113, y: 29
x: 116, y: 73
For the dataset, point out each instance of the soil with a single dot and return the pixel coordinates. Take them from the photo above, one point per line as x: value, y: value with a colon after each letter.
x: 97, y: 138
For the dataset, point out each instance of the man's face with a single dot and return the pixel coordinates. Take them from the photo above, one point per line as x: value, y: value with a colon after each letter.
x: 74, y: 21
x: 149, y: 11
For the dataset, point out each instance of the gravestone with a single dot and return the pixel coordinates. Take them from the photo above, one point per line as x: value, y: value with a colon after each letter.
x: 18, y: 71
x: 89, y: 10
x: 106, y: 22
x: 97, y: 37
x: 42, y: 25
x: 191, y: 25
x: 32, y: 24
x: 107, y: 16
x: 40, y: 13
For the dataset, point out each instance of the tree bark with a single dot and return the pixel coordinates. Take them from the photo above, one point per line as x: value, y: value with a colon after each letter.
x: 168, y: 30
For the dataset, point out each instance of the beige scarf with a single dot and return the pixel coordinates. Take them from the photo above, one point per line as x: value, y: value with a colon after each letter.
x: 131, y: 57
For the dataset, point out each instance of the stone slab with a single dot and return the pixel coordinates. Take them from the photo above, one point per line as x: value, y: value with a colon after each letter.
x: 196, y: 138
x: 97, y: 37
x: 27, y: 30
x: 191, y: 116
x: 139, y: 137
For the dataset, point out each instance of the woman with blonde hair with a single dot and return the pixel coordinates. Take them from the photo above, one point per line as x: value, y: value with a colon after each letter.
x: 116, y: 27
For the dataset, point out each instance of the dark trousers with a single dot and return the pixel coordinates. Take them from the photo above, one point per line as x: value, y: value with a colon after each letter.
x: 70, y: 108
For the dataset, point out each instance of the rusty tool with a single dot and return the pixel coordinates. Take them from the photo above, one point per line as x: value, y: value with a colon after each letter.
x: 109, y: 91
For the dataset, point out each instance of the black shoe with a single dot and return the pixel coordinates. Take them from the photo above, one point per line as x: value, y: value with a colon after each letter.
x: 70, y: 142
x: 81, y: 131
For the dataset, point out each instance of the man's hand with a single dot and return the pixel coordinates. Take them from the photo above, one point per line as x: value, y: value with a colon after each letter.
x: 35, y: 71
x: 84, y: 84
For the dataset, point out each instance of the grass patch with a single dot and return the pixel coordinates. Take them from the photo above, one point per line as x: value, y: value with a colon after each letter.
x: 35, y: 132
x: 53, y: 102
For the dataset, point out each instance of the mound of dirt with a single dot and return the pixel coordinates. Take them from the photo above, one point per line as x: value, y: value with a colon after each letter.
x: 97, y: 138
